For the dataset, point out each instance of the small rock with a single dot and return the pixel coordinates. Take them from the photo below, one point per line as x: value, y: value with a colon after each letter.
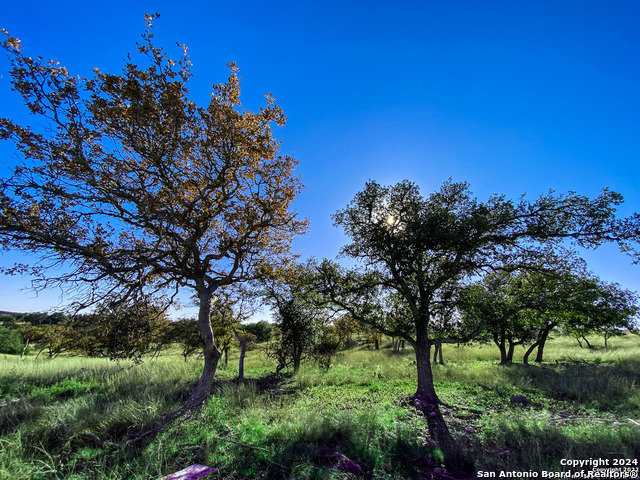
x: 470, y: 430
x: 520, y: 399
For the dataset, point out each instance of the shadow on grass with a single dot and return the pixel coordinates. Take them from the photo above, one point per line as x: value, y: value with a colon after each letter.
x: 599, y: 386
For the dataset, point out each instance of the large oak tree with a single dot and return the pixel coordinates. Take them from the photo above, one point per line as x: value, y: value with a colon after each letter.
x: 421, y: 249
x: 128, y: 185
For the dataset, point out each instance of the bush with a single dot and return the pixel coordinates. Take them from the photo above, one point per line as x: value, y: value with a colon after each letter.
x: 10, y: 341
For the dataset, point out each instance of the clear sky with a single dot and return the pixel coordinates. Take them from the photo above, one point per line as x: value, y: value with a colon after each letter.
x: 512, y: 96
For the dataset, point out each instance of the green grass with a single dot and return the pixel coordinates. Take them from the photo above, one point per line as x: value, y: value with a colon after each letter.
x: 584, y: 404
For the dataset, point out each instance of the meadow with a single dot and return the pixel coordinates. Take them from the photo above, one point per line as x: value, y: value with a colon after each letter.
x: 70, y: 417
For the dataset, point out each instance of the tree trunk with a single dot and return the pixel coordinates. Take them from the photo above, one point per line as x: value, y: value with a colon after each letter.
x: 542, y: 340
x: 297, y: 357
x: 512, y: 346
x: 587, y: 342
x: 454, y: 458
x: 499, y: 340
x: 579, y: 342
x: 437, y: 354
x: 525, y: 359
x: 243, y: 348
x: 210, y: 352
x: 24, y: 349
x: 376, y: 342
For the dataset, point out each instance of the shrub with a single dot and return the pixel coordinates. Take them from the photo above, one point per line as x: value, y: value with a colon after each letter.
x: 10, y: 341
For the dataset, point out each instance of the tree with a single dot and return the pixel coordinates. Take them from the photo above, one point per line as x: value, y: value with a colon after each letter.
x: 186, y: 333
x: 246, y: 341
x: 346, y: 328
x: 121, y: 330
x: 56, y: 338
x: 498, y: 303
x: 297, y: 330
x: 130, y: 186
x: 262, y: 330
x: 524, y: 305
x: 596, y: 306
x: 223, y: 322
x: 422, y: 249
x: 326, y: 346
x: 10, y: 340
x: 298, y: 320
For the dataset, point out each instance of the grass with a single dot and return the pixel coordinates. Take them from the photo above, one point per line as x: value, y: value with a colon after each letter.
x: 583, y: 404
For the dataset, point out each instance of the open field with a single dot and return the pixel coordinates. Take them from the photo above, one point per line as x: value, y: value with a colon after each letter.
x: 64, y: 418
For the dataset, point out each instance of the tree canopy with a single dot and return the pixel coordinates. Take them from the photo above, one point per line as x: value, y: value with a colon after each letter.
x: 421, y: 250
x: 130, y: 186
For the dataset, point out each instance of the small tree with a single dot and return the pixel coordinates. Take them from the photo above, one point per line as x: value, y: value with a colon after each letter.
x: 297, y: 318
x: 326, y: 346
x: 296, y: 334
x: 186, y: 333
x: 346, y: 328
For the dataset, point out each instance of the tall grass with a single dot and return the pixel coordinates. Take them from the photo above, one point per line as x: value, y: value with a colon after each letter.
x: 582, y: 404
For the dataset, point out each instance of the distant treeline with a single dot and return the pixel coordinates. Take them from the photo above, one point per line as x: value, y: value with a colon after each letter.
x: 33, y: 318
x: 125, y: 332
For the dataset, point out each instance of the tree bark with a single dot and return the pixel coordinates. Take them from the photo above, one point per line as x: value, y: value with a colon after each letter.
x: 210, y: 352
x: 499, y: 340
x: 297, y: 358
x: 243, y: 348
x: 525, y: 359
x: 437, y: 354
x: 24, y: 349
x: 541, y: 341
x: 512, y: 346
x: 454, y: 458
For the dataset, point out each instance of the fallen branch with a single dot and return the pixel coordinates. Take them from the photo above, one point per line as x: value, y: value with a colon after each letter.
x: 250, y: 447
x: 164, y: 424
x: 98, y: 442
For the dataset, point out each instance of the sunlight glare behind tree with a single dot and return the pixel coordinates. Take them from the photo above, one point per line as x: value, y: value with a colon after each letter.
x: 437, y: 243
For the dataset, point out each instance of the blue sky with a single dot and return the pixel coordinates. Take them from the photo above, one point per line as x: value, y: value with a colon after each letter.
x: 513, y: 97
